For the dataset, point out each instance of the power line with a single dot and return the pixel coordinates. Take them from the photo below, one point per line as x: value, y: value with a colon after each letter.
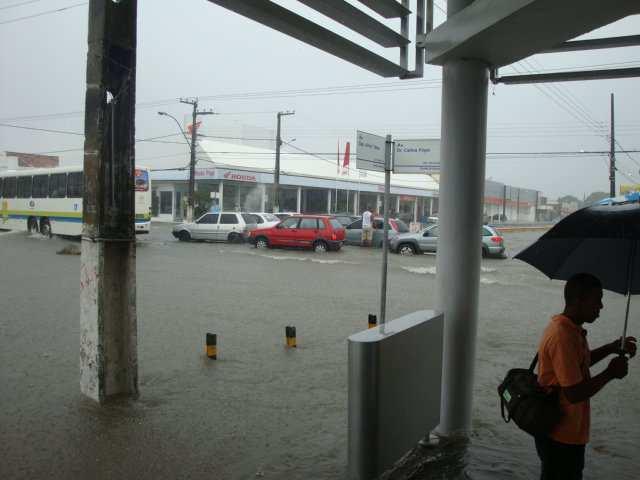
x: 19, y: 4
x: 48, y: 12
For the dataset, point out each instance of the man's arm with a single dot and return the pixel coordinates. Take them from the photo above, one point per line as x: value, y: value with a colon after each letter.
x: 614, y: 348
x: 582, y: 391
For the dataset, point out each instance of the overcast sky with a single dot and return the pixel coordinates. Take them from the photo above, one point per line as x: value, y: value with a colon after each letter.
x: 195, y: 48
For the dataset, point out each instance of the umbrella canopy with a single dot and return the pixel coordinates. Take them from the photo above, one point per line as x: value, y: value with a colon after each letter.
x: 603, y: 240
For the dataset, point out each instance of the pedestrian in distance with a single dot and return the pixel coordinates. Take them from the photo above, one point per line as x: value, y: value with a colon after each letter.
x: 564, y: 364
x: 367, y: 227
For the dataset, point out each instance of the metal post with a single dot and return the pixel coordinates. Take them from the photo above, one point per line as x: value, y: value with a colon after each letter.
x: 276, y: 172
x: 464, y: 127
x: 385, y: 228
x: 108, y: 322
x: 192, y: 163
x: 612, y: 156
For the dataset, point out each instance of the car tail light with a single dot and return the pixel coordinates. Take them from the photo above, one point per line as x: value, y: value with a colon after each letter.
x: 497, y: 240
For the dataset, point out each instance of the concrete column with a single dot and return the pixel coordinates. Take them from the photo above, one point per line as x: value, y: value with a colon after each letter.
x: 415, y: 210
x: 329, y: 201
x: 263, y: 202
x: 299, y: 200
x: 108, y: 323
x: 464, y: 125
x: 221, y: 195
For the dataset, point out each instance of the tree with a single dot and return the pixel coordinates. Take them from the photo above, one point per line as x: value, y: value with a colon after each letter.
x: 595, y: 197
x: 569, y: 199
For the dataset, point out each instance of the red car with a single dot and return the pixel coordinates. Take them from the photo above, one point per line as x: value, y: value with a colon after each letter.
x: 319, y: 232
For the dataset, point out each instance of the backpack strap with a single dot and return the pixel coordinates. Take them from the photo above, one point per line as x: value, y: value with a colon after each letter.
x: 533, y: 363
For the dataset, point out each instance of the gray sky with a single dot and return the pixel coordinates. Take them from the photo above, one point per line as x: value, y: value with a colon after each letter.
x: 195, y: 48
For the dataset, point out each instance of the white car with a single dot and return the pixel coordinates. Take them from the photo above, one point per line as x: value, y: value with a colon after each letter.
x: 233, y: 227
x: 265, y: 220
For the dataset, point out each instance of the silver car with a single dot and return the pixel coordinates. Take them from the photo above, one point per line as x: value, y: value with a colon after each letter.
x: 427, y: 241
x: 231, y: 227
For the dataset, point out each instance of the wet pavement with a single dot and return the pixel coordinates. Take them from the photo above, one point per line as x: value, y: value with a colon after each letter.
x: 261, y: 410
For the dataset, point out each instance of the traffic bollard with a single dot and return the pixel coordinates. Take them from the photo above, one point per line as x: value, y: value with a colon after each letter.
x: 290, y: 333
x: 373, y: 321
x: 212, y: 346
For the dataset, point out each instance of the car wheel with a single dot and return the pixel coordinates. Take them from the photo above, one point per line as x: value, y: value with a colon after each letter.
x: 234, y: 238
x: 45, y: 227
x: 406, y: 249
x: 32, y: 225
x: 320, y: 246
x: 184, y: 236
x: 262, y: 242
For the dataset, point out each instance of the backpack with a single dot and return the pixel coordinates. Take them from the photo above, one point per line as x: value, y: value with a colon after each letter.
x: 532, y: 408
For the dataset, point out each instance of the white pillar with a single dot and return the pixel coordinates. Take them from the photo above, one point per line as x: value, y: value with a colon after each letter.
x: 464, y: 126
x: 221, y: 195
x: 329, y: 201
x: 299, y: 200
x: 398, y: 204
x: 415, y: 209
x: 263, y: 193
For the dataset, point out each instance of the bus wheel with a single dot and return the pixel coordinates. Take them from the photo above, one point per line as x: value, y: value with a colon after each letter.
x: 45, y: 227
x: 32, y: 225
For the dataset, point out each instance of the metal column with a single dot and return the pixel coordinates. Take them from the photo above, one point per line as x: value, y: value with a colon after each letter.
x: 464, y: 126
x: 108, y: 323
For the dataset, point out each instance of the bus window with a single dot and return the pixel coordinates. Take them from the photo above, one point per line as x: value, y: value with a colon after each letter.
x: 58, y: 185
x: 24, y: 187
x: 141, y: 180
x: 74, y: 185
x: 10, y: 184
x: 40, y: 186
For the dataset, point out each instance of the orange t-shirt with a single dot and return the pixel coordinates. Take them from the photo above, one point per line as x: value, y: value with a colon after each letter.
x: 564, y: 359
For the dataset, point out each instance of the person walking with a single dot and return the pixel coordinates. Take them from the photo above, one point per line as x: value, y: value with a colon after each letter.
x: 564, y: 360
x: 367, y: 227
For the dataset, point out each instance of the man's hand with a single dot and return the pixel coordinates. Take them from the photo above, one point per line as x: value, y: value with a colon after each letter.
x: 618, y: 367
x: 630, y: 347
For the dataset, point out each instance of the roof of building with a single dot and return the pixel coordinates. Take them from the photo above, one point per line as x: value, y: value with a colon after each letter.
x: 244, y: 157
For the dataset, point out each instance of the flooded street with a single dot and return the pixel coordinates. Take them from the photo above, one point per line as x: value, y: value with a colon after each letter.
x: 261, y: 410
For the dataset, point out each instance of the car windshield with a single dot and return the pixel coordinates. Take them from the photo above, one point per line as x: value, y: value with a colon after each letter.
x: 335, y: 223
x: 401, y: 226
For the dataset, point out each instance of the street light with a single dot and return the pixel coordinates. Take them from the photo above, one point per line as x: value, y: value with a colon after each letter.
x: 165, y: 114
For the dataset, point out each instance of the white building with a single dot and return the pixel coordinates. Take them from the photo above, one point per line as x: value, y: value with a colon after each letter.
x: 240, y: 177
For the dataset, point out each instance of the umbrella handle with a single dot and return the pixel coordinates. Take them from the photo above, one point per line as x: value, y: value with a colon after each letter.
x: 629, y: 285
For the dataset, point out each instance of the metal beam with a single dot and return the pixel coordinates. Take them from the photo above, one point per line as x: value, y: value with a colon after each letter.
x: 387, y: 8
x: 568, y: 76
x: 358, y: 21
x: 595, y: 44
x: 503, y: 32
x: 292, y: 24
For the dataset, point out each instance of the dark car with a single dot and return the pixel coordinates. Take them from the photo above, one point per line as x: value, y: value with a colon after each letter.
x: 319, y: 232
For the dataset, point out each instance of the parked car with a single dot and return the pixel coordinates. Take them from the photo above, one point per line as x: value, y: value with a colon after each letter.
x: 264, y: 219
x: 283, y: 215
x: 354, y: 231
x: 345, y: 219
x: 319, y: 232
x: 427, y: 241
x: 232, y: 227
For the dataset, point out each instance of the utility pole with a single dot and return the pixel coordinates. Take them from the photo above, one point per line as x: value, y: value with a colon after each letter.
x: 276, y: 173
x: 108, y: 318
x: 612, y: 156
x: 192, y: 164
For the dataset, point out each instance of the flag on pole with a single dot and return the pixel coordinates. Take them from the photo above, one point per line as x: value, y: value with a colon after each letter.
x: 345, y: 163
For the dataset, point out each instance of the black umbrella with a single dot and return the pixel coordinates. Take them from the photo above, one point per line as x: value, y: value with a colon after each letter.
x: 603, y: 240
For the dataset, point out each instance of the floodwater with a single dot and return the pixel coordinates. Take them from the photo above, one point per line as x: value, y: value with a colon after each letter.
x: 261, y: 410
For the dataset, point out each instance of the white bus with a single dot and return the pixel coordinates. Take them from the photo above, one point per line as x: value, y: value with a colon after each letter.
x: 49, y: 200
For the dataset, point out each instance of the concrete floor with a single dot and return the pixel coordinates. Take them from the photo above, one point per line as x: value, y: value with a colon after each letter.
x: 261, y: 410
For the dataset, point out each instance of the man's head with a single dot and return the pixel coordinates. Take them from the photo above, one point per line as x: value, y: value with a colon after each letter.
x: 583, y: 298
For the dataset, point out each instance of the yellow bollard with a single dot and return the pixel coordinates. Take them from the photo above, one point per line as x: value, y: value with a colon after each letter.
x: 290, y: 333
x: 373, y: 321
x: 212, y: 346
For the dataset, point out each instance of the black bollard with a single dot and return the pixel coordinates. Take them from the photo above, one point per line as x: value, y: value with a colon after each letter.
x: 373, y: 321
x: 290, y: 333
x: 212, y: 346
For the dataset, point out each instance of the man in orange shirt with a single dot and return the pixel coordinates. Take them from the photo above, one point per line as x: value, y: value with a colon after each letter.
x: 564, y: 360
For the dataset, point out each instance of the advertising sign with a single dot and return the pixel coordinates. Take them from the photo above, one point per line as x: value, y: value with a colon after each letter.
x: 417, y: 156
x: 370, y: 152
